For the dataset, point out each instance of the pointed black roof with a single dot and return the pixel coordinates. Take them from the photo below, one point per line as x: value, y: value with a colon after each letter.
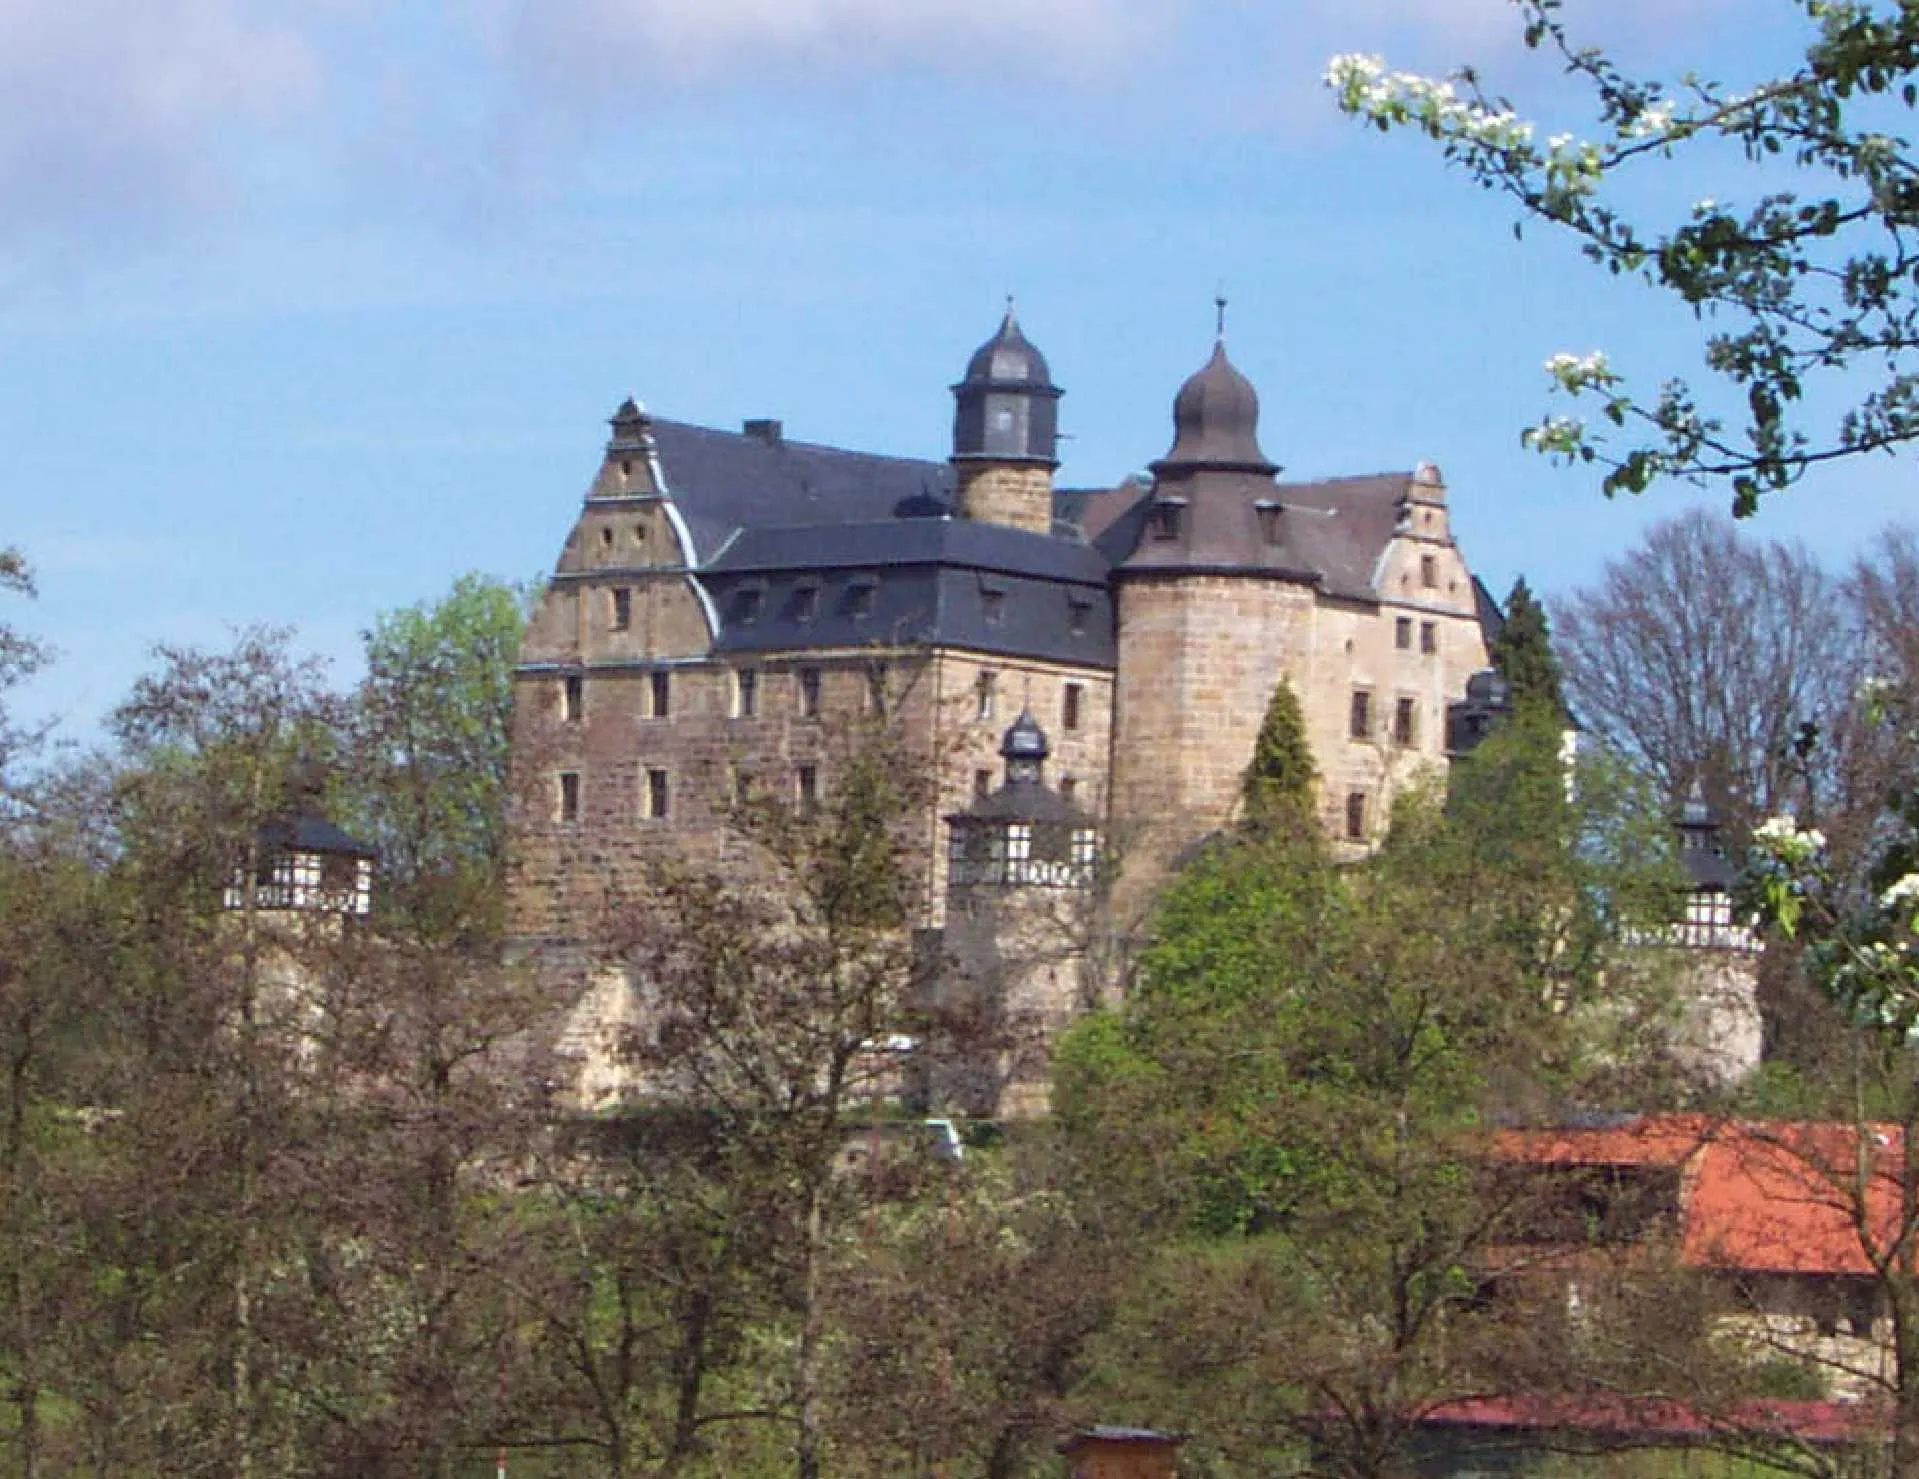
x: 1007, y: 361
x: 1216, y: 422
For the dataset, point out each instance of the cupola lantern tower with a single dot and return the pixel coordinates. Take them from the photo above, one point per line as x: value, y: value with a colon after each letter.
x: 1006, y: 433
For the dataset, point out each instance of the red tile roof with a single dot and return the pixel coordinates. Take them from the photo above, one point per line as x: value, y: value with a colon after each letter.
x: 1772, y: 1197
x: 1607, y: 1415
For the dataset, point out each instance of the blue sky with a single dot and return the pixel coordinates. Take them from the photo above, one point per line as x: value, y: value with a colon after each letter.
x: 307, y: 306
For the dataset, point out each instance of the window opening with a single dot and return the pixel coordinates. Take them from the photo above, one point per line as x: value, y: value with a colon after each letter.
x: 746, y: 693
x: 569, y: 795
x: 1356, y: 816
x: 1069, y: 705
x: 1429, y: 637
x: 1360, y: 721
x: 1403, y: 633
x: 656, y: 794
x: 1405, y: 722
x: 809, y: 693
x: 572, y: 697
x: 807, y: 784
x: 660, y: 685
x: 622, y: 608
x: 985, y: 694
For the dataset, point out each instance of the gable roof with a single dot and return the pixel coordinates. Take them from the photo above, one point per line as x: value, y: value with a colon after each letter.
x: 722, y: 481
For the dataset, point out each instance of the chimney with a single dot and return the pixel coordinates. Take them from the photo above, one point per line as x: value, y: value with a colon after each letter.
x: 763, y: 429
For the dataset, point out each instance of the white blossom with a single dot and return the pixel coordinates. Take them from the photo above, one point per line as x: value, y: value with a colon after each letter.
x: 1576, y: 371
x: 1904, y: 892
x: 1783, y: 838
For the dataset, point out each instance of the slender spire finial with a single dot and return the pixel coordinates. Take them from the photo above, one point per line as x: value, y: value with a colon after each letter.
x: 1219, y: 302
x: 1009, y: 305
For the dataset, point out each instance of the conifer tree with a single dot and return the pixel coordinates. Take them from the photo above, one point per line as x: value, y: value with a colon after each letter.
x: 1523, y: 653
x: 1279, y: 781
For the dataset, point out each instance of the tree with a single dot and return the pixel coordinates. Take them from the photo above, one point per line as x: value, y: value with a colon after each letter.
x: 778, y: 979
x: 20, y: 655
x: 1862, y: 949
x: 1701, y: 655
x: 1523, y: 653
x: 1295, y: 1096
x: 432, y: 728
x: 1278, y: 788
x: 1806, y: 286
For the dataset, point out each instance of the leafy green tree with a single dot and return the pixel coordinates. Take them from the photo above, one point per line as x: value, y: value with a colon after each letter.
x: 1278, y: 788
x: 1523, y: 653
x: 20, y: 655
x: 1806, y: 275
x: 432, y: 728
x: 1295, y: 1097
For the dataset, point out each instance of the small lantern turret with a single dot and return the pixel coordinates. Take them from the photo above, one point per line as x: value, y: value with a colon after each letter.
x: 303, y: 863
x: 1708, y: 922
x: 1025, y: 832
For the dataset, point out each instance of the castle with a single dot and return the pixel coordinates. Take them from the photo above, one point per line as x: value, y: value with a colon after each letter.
x: 727, y: 601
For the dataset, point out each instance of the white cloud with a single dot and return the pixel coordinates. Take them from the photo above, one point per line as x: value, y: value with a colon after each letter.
x: 118, y: 111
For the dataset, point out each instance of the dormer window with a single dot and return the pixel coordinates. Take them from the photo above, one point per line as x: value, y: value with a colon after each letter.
x: 747, y: 603
x: 992, y: 602
x: 1165, y: 518
x: 1429, y: 571
x: 1269, y: 520
x: 806, y: 601
x: 859, y: 597
x: 1077, y: 610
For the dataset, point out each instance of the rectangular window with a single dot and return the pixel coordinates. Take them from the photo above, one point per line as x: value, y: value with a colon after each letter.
x: 1360, y: 722
x: 1356, y: 816
x: 1164, y: 519
x: 746, y: 693
x: 807, y: 790
x: 806, y: 601
x: 1429, y: 637
x: 809, y: 693
x: 982, y: 782
x: 622, y: 608
x: 660, y: 691
x: 569, y: 796
x: 985, y: 695
x: 859, y: 600
x: 1069, y: 705
x: 656, y: 794
x: 993, y: 606
x: 572, y: 697
x: 1076, y: 616
x: 1403, y: 633
x: 1068, y: 787
x: 1406, y: 723
x: 1429, y: 571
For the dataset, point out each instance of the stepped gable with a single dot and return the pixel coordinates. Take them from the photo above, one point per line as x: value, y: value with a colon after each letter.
x: 725, y: 481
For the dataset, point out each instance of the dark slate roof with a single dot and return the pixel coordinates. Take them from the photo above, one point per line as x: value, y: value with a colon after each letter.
x: 910, y: 541
x: 1023, y: 801
x: 723, y: 480
x: 313, y: 834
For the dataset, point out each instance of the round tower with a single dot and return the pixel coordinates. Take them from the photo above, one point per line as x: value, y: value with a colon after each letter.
x: 1721, y: 1034
x: 1005, y: 433
x: 1215, y: 605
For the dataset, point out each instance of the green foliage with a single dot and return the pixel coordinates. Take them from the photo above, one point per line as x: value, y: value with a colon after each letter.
x: 1806, y: 278
x: 432, y: 730
x: 1523, y: 653
x: 1278, y: 787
